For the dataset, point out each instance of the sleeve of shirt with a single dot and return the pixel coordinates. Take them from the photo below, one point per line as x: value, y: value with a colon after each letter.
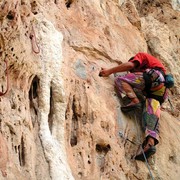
x: 136, y: 58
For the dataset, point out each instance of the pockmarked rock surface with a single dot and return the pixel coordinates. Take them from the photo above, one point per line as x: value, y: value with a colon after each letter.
x: 58, y: 119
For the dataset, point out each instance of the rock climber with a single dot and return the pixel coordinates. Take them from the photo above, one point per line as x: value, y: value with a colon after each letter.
x: 147, y: 75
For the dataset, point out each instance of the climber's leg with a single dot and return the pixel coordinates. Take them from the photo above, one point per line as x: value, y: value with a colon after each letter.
x: 125, y: 84
x: 150, y: 124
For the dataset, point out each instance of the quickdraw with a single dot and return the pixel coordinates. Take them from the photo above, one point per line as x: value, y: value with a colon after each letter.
x: 127, y: 139
x: 7, y: 77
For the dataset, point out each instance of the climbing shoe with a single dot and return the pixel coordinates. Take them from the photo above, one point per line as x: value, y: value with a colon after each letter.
x: 131, y: 107
x: 148, y: 153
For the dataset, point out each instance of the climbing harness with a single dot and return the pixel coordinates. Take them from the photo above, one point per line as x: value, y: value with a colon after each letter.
x: 7, y: 78
x: 34, y: 41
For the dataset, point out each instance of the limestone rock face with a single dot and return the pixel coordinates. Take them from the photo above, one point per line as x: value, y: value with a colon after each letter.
x: 58, y: 118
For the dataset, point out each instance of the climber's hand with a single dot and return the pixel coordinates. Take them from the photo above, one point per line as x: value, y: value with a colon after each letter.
x: 104, y: 72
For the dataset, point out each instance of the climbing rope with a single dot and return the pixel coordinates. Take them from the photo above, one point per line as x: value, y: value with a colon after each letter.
x: 34, y: 43
x: 7, y: 78
x: 139, y: 144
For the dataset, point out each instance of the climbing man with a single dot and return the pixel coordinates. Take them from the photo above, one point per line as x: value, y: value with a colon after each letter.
x: 147, y: 75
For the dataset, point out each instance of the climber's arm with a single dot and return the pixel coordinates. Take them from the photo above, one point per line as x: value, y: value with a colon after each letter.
x: 120, y: 68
